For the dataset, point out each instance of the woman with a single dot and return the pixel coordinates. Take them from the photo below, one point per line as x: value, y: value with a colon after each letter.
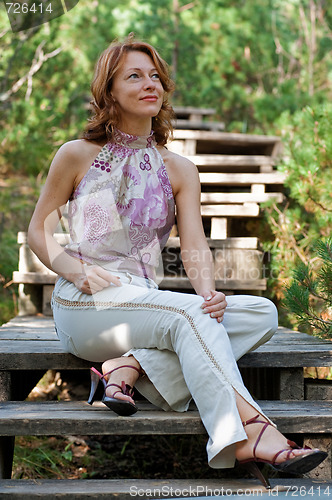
x: 123, y: 185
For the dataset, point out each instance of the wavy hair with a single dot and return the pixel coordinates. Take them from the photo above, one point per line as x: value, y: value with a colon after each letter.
x: 106, y: 115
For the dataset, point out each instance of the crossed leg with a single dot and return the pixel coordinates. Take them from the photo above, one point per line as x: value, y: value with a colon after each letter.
x: 271, y: 442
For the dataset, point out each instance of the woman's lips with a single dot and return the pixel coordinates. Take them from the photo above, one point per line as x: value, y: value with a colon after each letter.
x: 150, y: 98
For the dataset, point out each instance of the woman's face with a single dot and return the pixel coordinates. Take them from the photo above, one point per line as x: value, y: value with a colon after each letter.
x: 137, y: 88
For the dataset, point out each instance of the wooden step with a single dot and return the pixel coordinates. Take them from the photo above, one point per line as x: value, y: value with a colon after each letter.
x: 242, y: 179
x: 192, y: 111
x: 183, y: 283
x: 30, y: 342
x: 198, y: 125
x: 236, y: 162
x: 216, y: 198
x: 127, y: 489
x: 231, y: 210
x: 243, y: 242
x: 57, y: 418
x: 226, y: 137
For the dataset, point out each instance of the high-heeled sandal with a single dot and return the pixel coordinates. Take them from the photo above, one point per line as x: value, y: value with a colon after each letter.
x: 119, y: 406
x: 296, y: 465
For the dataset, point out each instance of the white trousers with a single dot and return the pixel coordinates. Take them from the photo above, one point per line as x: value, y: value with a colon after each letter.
x: 184, y: 353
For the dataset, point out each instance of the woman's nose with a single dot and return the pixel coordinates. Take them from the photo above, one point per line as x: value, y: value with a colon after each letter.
x: 149, y: 83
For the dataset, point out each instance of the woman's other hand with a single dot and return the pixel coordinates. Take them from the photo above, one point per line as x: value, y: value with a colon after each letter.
x: 94, y: 279
x: 214, y: 304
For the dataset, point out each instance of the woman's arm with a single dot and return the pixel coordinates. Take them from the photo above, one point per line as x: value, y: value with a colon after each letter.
x: 195, y: 252
x: 64, y: 174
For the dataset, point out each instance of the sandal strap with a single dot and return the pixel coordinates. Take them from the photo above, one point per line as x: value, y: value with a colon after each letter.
x: 114, y: 385
x: 124, y: 388
x: 293, y: 446
x: 266, y: 424
x: 122, y: 366
x: 274, y: 459
x: 255, y: 420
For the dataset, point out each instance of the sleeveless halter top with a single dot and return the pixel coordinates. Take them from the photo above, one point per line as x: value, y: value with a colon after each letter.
x: 121, y: 214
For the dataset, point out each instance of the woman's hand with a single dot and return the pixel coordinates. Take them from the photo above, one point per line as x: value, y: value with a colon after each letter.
x: 94, y: 279
x: 214, y: 304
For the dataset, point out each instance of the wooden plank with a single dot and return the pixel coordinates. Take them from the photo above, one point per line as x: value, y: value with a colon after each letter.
x: 219, y: 227
x: 285, y: 349
x: 292, y: 348
x: 318, y: 389
x: 206, y: 161
x: 245, y: 210
x: 197, y: 125
x: 67, y: 417
x: 127, y: 489
x: 291, y: 383
x: 238, y: 179
x: 35, y: 278
x: 244, y: 242
x: 191, y: 110
x: 62, y: 238
x: 226, y: 137
x: 215, y: 198
x: 233, y: 242
x: 183, y: 283
x: 46, y: 355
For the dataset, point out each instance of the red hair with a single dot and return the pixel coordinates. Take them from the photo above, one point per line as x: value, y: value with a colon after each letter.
x: 106, y: 116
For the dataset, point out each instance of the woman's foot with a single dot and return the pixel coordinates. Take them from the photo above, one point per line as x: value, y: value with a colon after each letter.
x: 267, y: 446
x: 124, y: 374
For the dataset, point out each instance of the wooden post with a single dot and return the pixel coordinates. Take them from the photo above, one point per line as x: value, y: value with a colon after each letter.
x: 291, y: 384
x: 6, y: 442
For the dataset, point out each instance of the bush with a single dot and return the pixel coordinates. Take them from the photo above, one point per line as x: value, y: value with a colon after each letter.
x: 306, y: 216
x: 309, y: 297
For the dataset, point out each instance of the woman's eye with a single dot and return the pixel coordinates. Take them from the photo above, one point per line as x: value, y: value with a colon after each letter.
x: 156, y: 76
x: 133, y: 75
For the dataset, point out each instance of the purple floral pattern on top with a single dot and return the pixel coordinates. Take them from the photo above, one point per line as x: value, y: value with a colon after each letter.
x: 146, y: 165
x: 151, y: 210
x: 130, y: 178
x: 97, y: 222
x: 123, y: 209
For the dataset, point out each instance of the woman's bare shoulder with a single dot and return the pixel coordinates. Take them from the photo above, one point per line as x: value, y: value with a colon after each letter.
x: 79, y: 149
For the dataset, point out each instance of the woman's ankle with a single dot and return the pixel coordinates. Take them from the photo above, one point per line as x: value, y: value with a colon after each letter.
x: 121, y: 370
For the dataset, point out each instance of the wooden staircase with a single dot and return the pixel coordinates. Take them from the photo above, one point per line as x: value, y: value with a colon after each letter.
x: 237, y: 174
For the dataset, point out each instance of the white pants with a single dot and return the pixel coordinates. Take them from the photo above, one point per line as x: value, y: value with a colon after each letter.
x: 184, y: 353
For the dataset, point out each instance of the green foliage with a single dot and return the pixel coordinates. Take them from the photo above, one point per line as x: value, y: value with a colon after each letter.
x: 309, y: 296
x: 307, y: 214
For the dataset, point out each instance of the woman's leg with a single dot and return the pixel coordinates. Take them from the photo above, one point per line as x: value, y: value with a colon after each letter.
x: 271, y: 442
